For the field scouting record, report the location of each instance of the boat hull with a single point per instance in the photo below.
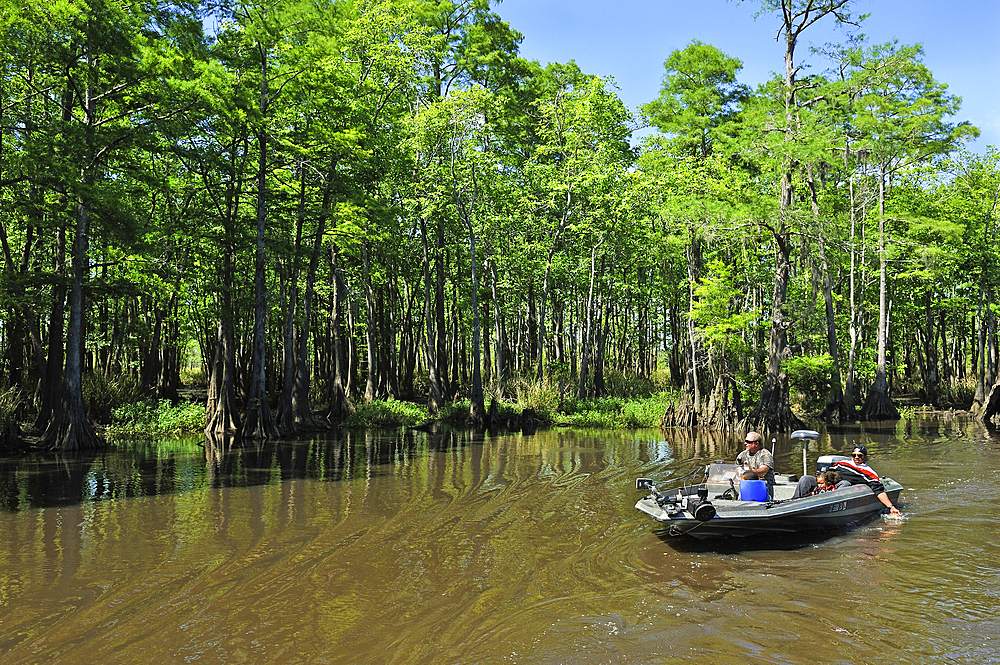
(827, 510)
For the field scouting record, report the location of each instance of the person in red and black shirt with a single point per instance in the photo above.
(857, 472)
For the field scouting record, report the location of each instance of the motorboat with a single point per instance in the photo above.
(722, 505)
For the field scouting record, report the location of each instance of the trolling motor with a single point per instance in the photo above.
(670, 503)
(644, 484)
(660, 498)
(699, 507)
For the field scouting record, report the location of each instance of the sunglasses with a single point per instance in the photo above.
(857, 455)
(748, 441)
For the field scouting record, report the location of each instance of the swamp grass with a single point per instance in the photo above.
(161, 418)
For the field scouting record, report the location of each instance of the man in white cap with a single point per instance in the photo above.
(758, 459)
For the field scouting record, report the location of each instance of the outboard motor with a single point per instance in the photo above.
(701, 508)
(826, 461)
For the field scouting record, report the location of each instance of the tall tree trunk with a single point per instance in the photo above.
(540, 369)
(500, 376)
(979, 399)
(991, 352)
(927, 355)
(441, 336)
(149, 361)
(51, 378)
(878, 405)
(28, 318)
(532, 339)
(301, 405)
(850, 398)
(341, 405)
(603, 334)
(258, 424)
(221, 412)
(68, 428)
(693, 383)
(222, 416)
(773, 411)
(407, 356)
(686, 411)
(456, 382)
(588, 328)
(835, 410)
(169, 381)
(477, 406)
(284, 417)
(371, 325)
(435, 399)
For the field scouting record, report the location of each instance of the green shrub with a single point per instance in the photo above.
(388, 413)
(628, 385)
(195, 377)
(616, 412)
(648, 411)
(544, 398)
(591, 419)
(455, 413)
(104, 393)
(14, 403)
(156, 417)
(810, 377)
(957, 393)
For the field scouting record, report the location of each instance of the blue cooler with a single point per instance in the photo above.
(753, 490)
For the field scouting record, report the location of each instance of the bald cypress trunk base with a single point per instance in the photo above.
(836, 410)
(878, 405)
(991, 409)
(682, 413)
(773, 411)
(221, 414)
(341, 405)
(10, 433)
(69, 429)
(725, 407)
(477, 415)
(258, 423)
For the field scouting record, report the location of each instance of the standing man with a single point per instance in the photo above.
(758, 459)
(857, 472)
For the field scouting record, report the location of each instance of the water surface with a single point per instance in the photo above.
(408, 547)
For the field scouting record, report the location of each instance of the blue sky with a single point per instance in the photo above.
(630, 39)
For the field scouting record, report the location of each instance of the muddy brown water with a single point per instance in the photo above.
(408, 547)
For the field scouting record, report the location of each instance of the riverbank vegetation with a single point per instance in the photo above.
(346, 212)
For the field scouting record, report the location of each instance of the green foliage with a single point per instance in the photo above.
(104, 393)
(699, 97)
(455, 413)
(13, 402)
(629, 384)
(717, 313)
(151, 418)
(958, 393)
(387, 413)
(196, 376)
(616, 412)
(544, 397)
(810, 376)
